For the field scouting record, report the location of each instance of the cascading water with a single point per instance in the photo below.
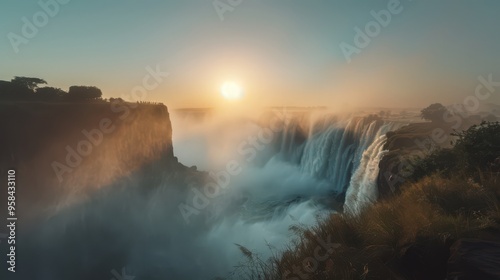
(285, 183)
(342, 152)
(345, 152)
(363, 189)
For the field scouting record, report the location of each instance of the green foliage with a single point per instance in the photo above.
(10, 90)
(434, 112)
(475, 148)
(27, 89)
(441, 161)
(84, 93)
(27, 82)
(478, 146)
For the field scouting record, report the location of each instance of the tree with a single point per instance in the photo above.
(434, 112)
(50, 93)
(30, 83)
(14, 91)
(84, 93)
(479, 146)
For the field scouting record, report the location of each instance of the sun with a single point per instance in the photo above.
(231, 90)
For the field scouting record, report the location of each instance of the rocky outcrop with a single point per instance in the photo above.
(410, 143)
(404, 146)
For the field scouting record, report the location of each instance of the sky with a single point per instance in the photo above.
(281, 52)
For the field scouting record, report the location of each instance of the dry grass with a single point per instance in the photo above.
(404, 237)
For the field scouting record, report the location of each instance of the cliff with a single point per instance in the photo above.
(410, 143)
(69, 149)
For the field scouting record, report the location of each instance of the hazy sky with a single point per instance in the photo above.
(283, 52)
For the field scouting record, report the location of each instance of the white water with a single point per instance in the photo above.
(290, 179)
(363, 189)
(312, 157)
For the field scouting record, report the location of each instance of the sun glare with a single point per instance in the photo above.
(231, 91)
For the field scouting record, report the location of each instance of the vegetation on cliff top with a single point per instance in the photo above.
(28, 89)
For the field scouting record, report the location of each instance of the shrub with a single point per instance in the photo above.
(441, 161)
(83, 93)
(479, 146)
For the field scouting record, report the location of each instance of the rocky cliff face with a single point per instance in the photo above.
(410, 143)
(76, 148)
(404, 145)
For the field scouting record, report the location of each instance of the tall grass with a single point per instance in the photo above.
(404, 237)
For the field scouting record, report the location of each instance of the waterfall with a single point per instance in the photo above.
(164, 214)
(363, 189)
(345, 152)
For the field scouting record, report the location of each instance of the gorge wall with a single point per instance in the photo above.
(74, 148)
